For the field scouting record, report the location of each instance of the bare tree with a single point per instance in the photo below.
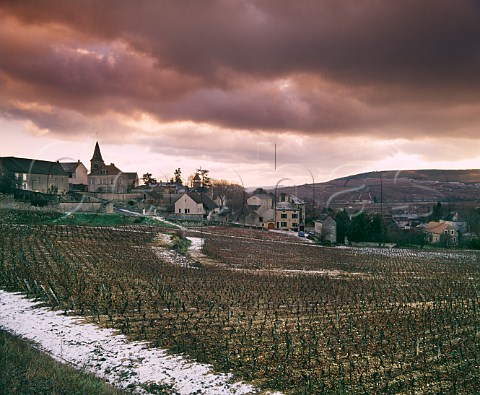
(229, 193)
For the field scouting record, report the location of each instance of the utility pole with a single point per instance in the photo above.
(275, 156)
(382, 237)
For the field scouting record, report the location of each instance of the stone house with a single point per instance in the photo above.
(35, 175)
(441, 232)
(457, 223)
(262, 217)
(133, 181)
(260, 211)
(326, 228)
(77, 174)
(289, 212)
(108, 178)
(262, 200)
(195, 205)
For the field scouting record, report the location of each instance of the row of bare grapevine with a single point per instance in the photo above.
(391, 322)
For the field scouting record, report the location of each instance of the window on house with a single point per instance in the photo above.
(451, 232)
(260, 219)
(294, 224)
(111, 181)
(180, 211)
(284, 224)
(294, 215)
(284, 215)
(454, 239)
(187, 211)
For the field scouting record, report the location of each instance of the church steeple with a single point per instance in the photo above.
(97, 161)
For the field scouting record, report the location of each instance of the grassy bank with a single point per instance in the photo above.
(25, 370)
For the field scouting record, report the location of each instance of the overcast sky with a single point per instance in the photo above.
(339, 86)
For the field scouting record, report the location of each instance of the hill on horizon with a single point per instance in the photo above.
(393, 186)
(465, 176)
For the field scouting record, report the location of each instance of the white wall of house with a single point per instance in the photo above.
(79, 176)
(186, 205)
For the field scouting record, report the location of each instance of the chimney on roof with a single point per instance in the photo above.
(112, 164)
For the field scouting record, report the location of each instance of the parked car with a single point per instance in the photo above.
(301, 234)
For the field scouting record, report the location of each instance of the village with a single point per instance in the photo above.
(72, 187)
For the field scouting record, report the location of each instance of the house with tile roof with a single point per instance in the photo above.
(441, 232)
(108, 178)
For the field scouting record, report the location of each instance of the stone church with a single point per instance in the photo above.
(108, 178)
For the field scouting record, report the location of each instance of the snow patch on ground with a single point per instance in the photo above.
(108, 354)
(174, 257)
(195, 248)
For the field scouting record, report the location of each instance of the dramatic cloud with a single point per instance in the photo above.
(223, 78)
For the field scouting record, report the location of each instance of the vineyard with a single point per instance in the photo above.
(281, 313)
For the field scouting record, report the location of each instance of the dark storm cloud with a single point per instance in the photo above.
(319, 67)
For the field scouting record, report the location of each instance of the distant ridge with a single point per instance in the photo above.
(393, 186)
(467, 176)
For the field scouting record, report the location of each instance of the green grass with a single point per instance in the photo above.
(180, 243)
(26, 370)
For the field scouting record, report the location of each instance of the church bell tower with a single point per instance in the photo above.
(96, 162)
